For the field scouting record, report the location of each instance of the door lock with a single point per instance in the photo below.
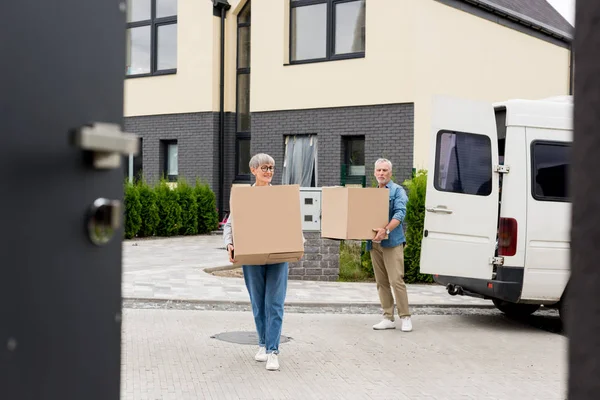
(107, 143)
(104, 220)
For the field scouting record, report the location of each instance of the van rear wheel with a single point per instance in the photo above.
(515, 309)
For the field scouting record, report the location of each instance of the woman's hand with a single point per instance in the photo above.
(230, 252)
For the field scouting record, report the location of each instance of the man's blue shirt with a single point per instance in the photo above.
(398, 200)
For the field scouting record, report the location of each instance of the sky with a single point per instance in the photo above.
(566, 8)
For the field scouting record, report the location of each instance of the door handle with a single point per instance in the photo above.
(107, 143)
(440, 209)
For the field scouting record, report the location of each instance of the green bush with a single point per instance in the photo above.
(350, 263)
(149, 211)
(133, 210)
(169, 210)
(365, 260)
(208, 216)
(189, 209)
(415, 219)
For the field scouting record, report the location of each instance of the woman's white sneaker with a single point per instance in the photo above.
(384, 324)
(261, 355)
(272, 362)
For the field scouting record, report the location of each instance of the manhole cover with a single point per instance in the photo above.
(250, 338)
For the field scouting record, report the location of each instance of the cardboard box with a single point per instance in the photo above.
(266, 224)
(353, 213)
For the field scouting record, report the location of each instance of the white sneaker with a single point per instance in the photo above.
(406, 324)
(384, 324)
(261, 355)
(272, 362)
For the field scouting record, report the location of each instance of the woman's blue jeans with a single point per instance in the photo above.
(267, 286)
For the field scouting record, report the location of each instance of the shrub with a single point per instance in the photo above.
(189, 209)
(169, 210)
(350, 263)
(365, 260)
(133, 210)
(415, 219)
(149, 212)
(208, 216)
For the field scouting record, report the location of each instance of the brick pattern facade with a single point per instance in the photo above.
(321, 261)
(197, 136)
(388, 131)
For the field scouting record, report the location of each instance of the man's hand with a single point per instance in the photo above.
(230, 252)
(380, 234)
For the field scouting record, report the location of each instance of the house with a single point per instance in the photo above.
(324, 86)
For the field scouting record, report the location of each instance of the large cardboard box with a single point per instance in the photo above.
(267, 225)
(353, 213)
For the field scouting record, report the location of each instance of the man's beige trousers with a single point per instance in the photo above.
(388, 265)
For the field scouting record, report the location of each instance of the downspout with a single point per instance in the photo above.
(571, 69)
(220, 9)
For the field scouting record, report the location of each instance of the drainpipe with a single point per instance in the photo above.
(571, 69)
(220, 9)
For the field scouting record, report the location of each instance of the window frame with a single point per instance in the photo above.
(165, 150)
(532, 169)
(154, 23)
(436, 169)
(329, 32)
(241, 135)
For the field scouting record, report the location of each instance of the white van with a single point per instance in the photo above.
(498, 213)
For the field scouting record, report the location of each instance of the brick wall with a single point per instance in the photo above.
(321, 261)
(197, 136)
(388, 131)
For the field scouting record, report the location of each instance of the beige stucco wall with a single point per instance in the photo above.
(415, 49)
(383, 76)
(459, 54)
(192, 88)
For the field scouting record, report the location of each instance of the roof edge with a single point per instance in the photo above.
(523, 19)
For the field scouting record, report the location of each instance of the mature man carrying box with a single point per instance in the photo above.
(387, 255)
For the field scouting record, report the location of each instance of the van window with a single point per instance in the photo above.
(463, 163)
(550, 166)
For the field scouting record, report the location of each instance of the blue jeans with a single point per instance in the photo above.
(267, 286)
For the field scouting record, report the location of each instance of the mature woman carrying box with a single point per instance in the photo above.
(266, 284)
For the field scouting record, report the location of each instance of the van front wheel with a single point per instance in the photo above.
(515, 309)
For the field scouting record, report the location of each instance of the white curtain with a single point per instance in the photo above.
(300, 160)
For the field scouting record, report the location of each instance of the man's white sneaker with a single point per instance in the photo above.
(384, 324)
(261, 355)
(406, 324)
(272, 362)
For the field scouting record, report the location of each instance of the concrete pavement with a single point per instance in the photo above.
(174, 269)
(170, 355)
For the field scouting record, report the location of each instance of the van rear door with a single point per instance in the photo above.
(461, 204)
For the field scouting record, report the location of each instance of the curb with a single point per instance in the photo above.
(168, 303)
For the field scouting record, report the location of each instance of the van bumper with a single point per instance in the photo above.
(507, 286)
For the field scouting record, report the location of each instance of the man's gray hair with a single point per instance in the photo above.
(261, 159)
(383, 160)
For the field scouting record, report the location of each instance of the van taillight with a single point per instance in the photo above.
(507, 237)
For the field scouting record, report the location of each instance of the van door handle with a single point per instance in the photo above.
(440, 209)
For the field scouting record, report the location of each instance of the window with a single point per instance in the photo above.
(463, 163)
(134, 167)
(242, 147)
(171, 160)
(327, 30)
(354, 155)
(550, 165)
(300, 161)
(151, 37)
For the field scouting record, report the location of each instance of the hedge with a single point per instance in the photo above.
(169, 209)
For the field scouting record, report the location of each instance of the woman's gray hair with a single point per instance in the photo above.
(383, 160)
(261, 159)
